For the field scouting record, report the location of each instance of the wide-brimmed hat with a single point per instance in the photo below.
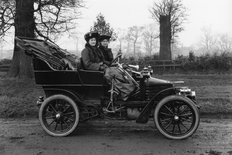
(104, 36)
(90, 35)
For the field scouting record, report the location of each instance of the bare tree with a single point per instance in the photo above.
(35, 18)
(133, 35)
(7, 13)
(170, 14)
(76, 37)
(208, 40)
(150, 34)
(128, 42)
(224, 43)
(121, 37)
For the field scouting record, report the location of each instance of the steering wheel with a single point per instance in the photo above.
(117, 58)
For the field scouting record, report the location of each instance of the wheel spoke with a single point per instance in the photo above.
(71, 120)
(165, 120)
(178, 109)
(53, 108)
(173, 106)
(173, 129)
(51, 123)
(183, 125)
(168, 125)
(179, 128)
(57, 105)
(186, 120)
(176, 118)
(184, 110)
(49, 117)
(61, 125)
(186, 115)
(166, 114)
(59, 115)
(56, 125)
(168, 109)
(70, 113)
(66, 123)
(66, 109)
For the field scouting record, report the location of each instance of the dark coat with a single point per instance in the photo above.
(108, 55)
(92, 58)
(123, 84)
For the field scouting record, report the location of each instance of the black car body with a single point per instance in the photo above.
(73, 95)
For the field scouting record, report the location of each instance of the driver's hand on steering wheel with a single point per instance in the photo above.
(103, 67)
(113, 64)
(124, 66)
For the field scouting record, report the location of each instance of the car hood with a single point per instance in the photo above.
(155, 81)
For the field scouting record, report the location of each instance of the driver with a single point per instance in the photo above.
(107, 52)
(92, 58)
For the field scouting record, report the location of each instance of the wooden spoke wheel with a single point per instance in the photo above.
(59, 115)
(176, 117)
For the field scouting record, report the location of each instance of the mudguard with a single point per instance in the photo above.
(69, 93)
(144, 116)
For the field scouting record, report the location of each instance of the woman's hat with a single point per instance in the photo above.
(90, 35)
(104, 36)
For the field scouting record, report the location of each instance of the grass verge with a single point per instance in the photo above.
(214, 94)
(18, 98)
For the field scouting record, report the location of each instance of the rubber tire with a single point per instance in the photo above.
(75, 107)
(186, 100)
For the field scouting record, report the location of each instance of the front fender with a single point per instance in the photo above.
(144, 116)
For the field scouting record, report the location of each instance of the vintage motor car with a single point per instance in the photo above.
(74, 95)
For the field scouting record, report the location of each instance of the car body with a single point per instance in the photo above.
(77, 95)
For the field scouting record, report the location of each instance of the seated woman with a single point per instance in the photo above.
(103, 46)
(92, 58)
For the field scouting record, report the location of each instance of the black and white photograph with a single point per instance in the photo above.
(115, 77)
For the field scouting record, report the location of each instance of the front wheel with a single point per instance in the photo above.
(176, 117)
(59, 115)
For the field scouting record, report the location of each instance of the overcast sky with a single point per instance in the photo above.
(214, 14)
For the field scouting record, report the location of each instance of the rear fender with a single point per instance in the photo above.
(144, 116)
(69, 93)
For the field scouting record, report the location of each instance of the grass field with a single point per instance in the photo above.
(214, 94)
(18, 98)
(214, 91)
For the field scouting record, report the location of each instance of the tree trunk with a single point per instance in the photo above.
(134, 48)
(24, 27)
(150, 50)
(165, 38)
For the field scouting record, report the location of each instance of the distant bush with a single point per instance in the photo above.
(206, 63)
(142, 61)
(5, 61)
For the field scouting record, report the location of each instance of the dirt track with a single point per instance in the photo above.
(213, 137)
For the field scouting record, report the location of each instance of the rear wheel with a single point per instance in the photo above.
(176, 117)
(59, 115)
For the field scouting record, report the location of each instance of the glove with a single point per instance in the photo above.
(103, 67)
(107, 63)
(114, 65)
(124, 66)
